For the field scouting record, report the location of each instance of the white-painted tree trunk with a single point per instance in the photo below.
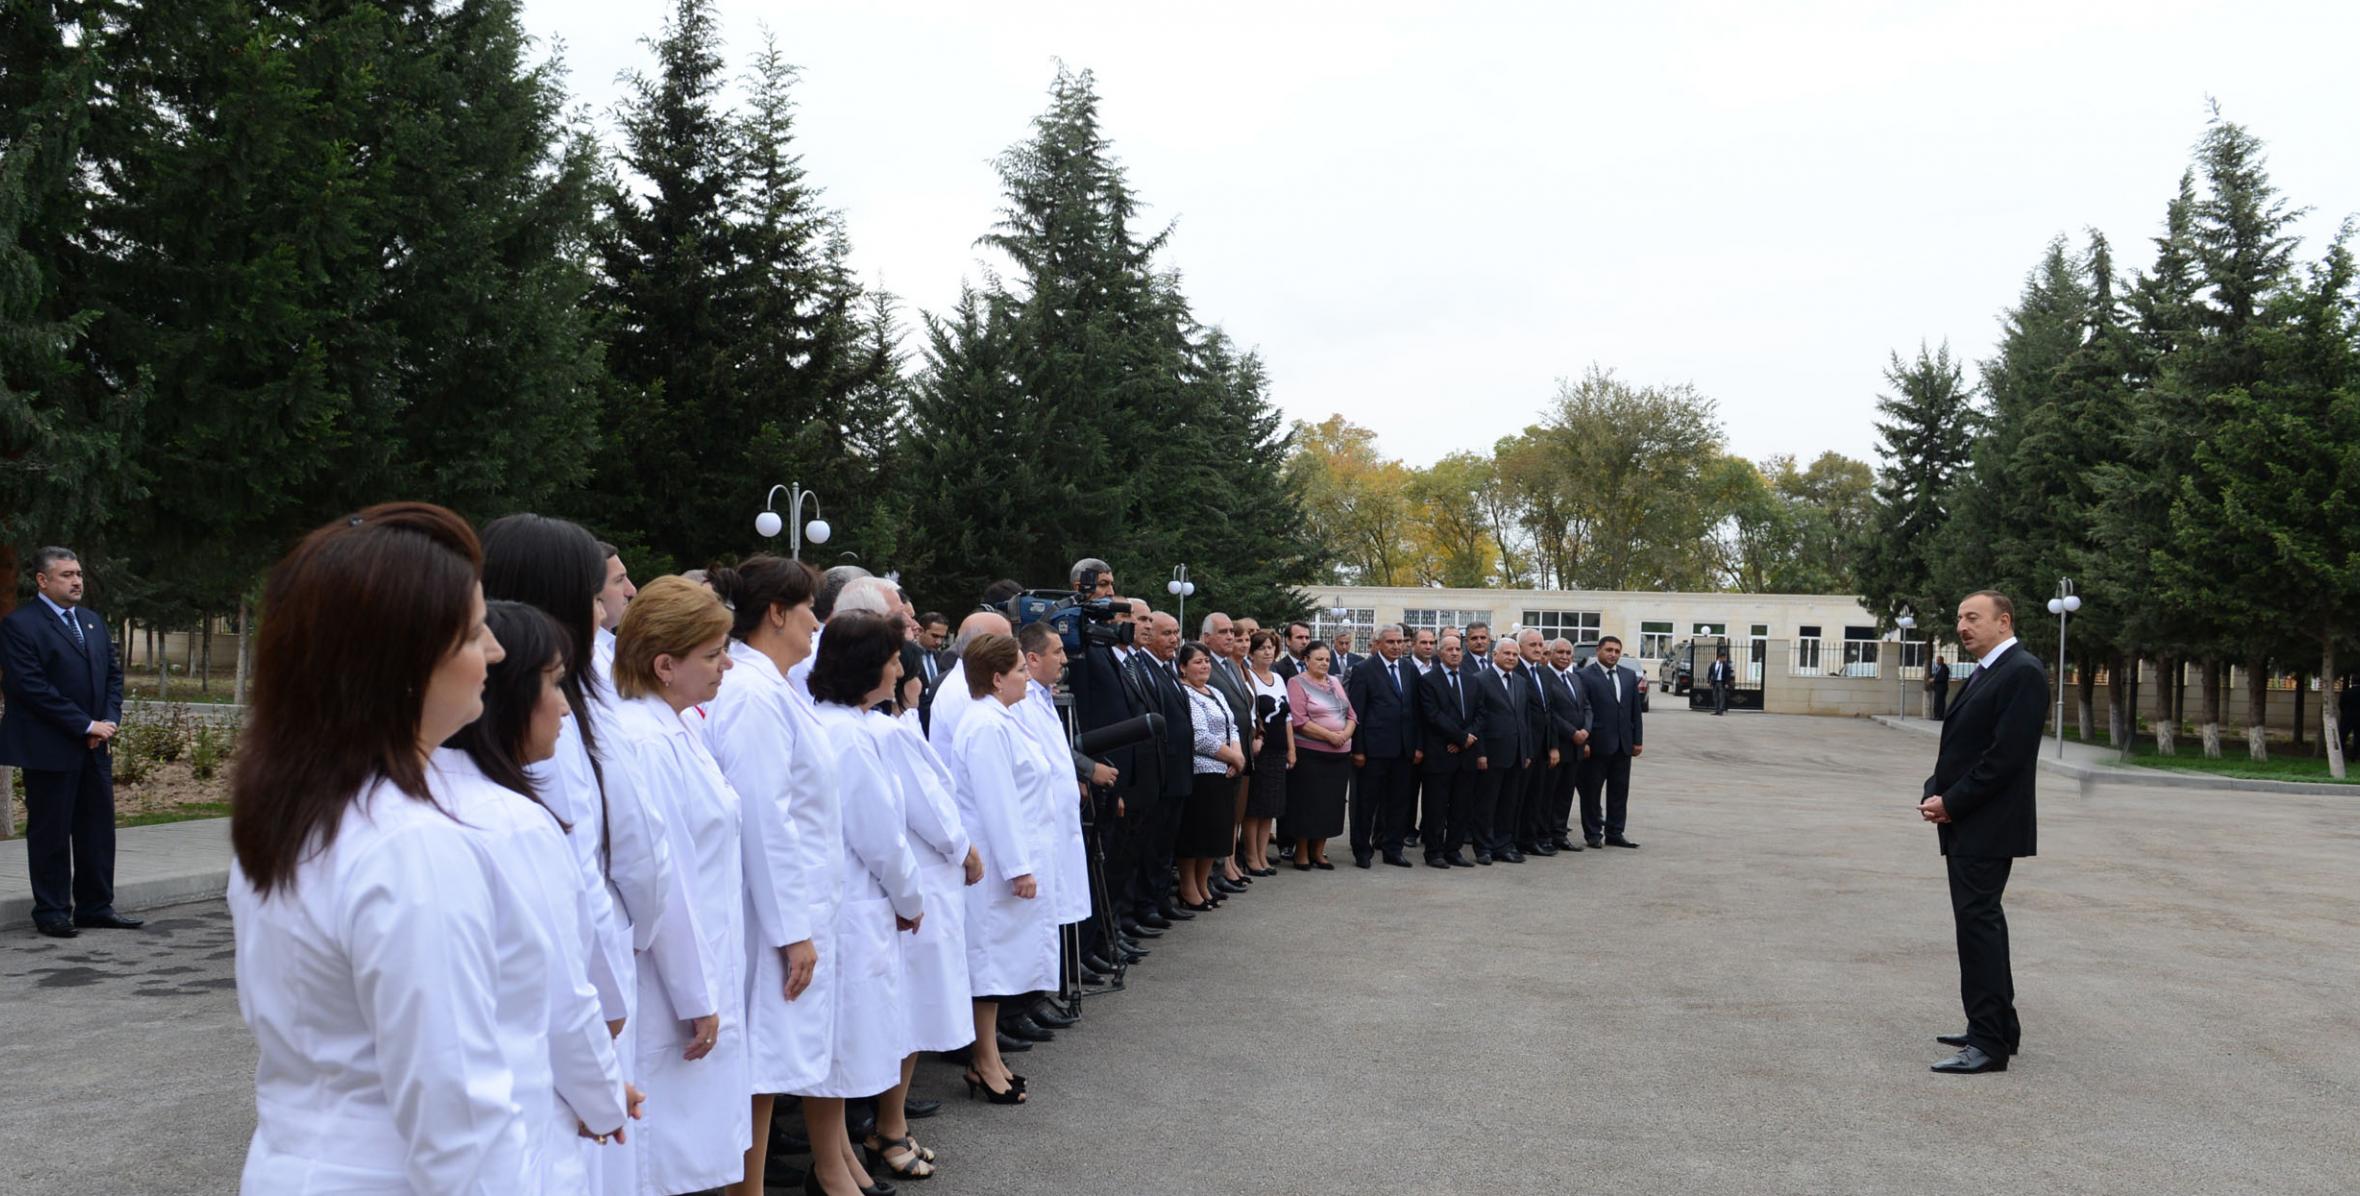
(2332, 733)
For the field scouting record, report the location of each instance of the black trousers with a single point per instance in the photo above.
(1483, 803)
(1381, 801)
(1516, 793)
(70, 838)
(1556, 821)
(1448, 798)
(1941, 701)
(1608, 777)
(1986, 984)
(1720, 697)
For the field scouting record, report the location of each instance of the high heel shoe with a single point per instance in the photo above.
(917, 1161)
(1197, 907)
(1323, 865)
(1302, 867)
(1011, 1095)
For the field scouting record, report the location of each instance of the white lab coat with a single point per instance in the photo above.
(951, 704)
(934, 960)
(699, 1119)
(374, 988)
(564, 1044)
(1002, 774)
(767, 744)
(1069, 860)
(880, 883)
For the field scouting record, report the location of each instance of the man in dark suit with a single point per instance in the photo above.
(1346, 659)
(1385, 749)
(1615, 741)
(64, 691)
(1501, 752)
(1521, 792)
(1159, 640)
(1719, 675)
(1980, 800)
(1298, 641)
(1938, 687)
(1569, 721)
(1447, 731)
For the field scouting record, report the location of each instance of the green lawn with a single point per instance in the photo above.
(2284, 764)
(193, 810)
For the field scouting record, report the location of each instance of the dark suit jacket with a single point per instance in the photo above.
(1614, 727)
(1106, 694)
(1719, 671)
(55, 688)
(1446, 718)
(1499, 717)
(1569, 711)
(1990, 751)
(1178, 746)
(1539, 723)
(1235, 690)
(1388, 727)
(1286, 666)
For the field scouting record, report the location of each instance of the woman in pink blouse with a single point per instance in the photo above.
(1324, 721)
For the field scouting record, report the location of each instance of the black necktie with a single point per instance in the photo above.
(1458, 695)
(81, 639)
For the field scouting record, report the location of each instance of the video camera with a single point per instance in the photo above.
(1079, 619)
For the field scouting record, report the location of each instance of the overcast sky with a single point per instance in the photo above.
(1423, 215)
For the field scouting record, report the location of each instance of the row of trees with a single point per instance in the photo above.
(2182, 441)
(1620, 487)
(262, 264)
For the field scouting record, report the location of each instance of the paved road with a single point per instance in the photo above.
(1744, 1005)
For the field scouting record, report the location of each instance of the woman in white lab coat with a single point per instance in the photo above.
(375, 940)
(1061, 801)
(670, 655)
(763, 736)
(562, 1044)
(1011, 930)
(617, 839)
(858, 660)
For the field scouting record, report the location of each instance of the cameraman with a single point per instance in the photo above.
(1104, 694)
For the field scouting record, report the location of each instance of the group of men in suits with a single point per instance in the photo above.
(64, 703)
(1466, 747)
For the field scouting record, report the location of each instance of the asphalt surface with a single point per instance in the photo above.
(1744, 1005)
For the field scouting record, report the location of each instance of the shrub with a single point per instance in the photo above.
(211, 746)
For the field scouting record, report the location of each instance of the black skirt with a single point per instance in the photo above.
(1206, 829)
(1268, 796)
(1315, 796)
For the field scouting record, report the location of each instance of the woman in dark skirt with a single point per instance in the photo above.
(1266, 798)
(1324, 720)
(1205, 826)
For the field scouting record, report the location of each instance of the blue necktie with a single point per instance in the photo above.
(80, 638)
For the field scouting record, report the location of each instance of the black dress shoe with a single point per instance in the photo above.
(1008, 1044)
(1970, 1061)
(110, 920)
(1619, 841)
(1141, 930)
(1049, 1016)
(1483, 858)
(1031, 1031)
(1132, 957)
(1510, 856)
(1410, 839)
(57, 930)
(1541, 849)
(1089, 979)
(1093, 963)
(1458, 860)
(1227, 886)
(1302, 867)
(1595, 842)
(1176, 914)
(1566, 845)
(1396, 859)
(1323, 865)
(920, 1110)
(1960, 1040)
(1435, 861)
(1154, 919)
(1360, 861)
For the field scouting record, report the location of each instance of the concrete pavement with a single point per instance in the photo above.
(1744, 1005)
(164, 864)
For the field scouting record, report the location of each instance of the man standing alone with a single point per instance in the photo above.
(1719, 676)
(64, 691)
(1980, 801)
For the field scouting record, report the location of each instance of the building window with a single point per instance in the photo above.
(1440, 619)
(1655, 639)
(1807, 649)
(1361, 621)
(1580, 626)
(1720, 630)
(1860, 651)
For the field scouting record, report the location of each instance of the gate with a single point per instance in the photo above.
(1748, 666)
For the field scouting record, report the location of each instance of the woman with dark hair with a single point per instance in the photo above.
(559, 569)
(481, 775)
(1012, 945)
(859, 660)
(380, 953)
(1205, 831)
(670, 655)
(1266, 798)
(1324, 721)
(764, 737)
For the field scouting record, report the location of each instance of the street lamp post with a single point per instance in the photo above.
(769, 524)
(1904, 621)
(2063, 605)
(1180, 587)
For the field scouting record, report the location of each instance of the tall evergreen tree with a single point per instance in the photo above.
(1925, 438)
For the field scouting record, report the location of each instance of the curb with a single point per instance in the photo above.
(140, 894)
(2091, 775)
(188, 863)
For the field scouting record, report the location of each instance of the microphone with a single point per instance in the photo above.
(1119, 735)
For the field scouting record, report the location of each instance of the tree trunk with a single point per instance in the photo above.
(2210, 730)
(2122, 698)
(163, 664)
(243, 620)
(205, 667)
(2085, 682)
(2301, 683)
(189, 668)
(2329, 733)
(2180, 692)
(2167, 727)
(2127, 706)
(2257, 711)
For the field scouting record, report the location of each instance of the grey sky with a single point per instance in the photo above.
(1423, 215)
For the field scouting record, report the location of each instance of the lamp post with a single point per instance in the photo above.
(768, 522)
(2063, 605)
(1904, 621)
(1180, 587)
